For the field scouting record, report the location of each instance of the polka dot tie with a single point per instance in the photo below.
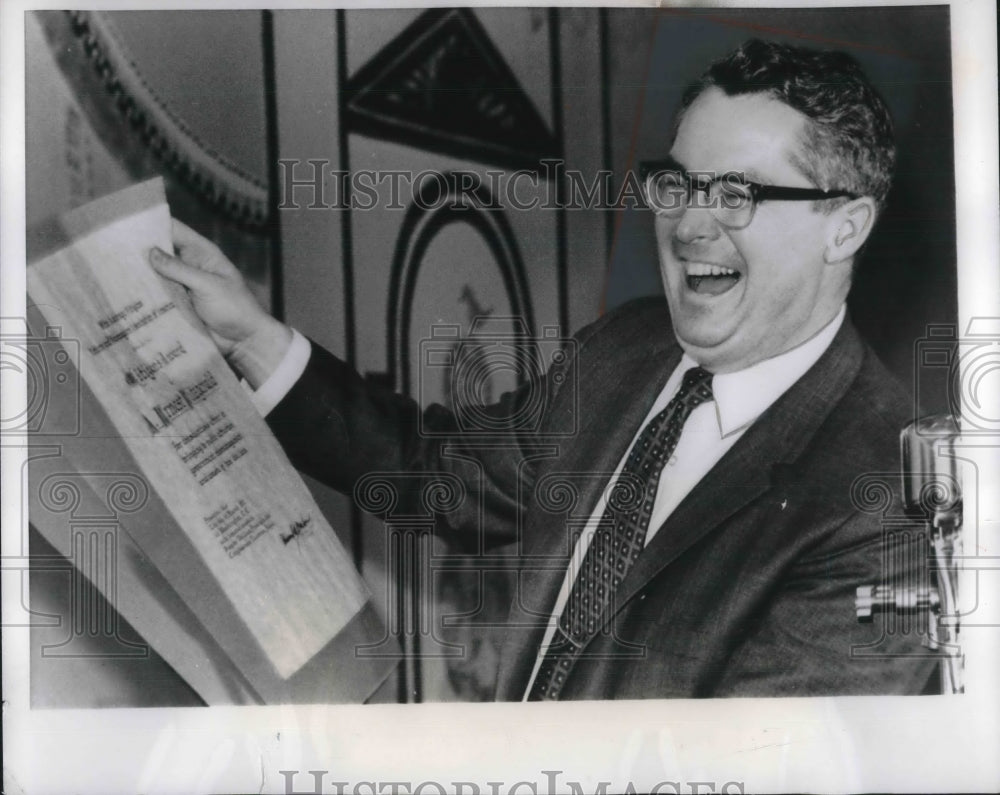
(619, 538)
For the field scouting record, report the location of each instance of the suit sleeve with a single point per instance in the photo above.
(337, 427)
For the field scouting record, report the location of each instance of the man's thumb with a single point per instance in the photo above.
(177, 270)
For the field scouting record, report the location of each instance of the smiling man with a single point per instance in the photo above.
(792, 161)
(723, 433)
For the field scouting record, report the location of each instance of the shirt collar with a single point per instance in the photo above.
(742, 396)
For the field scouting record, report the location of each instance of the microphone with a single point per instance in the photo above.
(931, 490)
(929, 469)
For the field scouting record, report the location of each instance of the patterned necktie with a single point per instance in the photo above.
(619, 538)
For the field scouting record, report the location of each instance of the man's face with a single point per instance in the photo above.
(777, 290)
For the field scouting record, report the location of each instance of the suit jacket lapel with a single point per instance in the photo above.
(745, 471)
(613, 404)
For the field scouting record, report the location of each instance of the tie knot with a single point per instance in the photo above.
(696, 387)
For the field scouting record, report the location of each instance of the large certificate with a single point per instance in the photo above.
(238, 507)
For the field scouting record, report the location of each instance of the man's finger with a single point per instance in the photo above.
(191, 277)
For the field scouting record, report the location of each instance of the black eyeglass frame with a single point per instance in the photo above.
(758, 191)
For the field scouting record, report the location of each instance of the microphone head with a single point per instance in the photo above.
(929, 468)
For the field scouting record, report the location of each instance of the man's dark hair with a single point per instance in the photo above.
(849, 144)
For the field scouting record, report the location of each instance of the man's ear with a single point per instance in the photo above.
(849, 228)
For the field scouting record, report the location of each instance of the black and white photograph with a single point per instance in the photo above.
(500, 399)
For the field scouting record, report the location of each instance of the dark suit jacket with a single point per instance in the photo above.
(748, 587)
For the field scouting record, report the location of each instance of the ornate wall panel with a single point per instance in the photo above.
(433, 264)
(96, 95)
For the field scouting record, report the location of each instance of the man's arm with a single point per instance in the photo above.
(333, 424)
(339, 428)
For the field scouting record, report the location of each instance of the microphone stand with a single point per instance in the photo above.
(930, 485)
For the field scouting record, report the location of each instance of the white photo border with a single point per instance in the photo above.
(754, 745)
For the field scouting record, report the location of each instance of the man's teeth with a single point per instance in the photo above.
(703, 269)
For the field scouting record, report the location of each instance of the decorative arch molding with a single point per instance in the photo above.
(207, 173)
(439, 203)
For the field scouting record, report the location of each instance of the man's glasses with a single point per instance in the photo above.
(731, 199)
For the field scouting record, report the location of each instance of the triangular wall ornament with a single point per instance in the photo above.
(442, 85)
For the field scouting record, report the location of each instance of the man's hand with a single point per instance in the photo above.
(252, 341)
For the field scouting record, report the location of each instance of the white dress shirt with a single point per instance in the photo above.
(711, 429)
(289, 370)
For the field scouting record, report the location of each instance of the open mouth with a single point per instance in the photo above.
(710, 279)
